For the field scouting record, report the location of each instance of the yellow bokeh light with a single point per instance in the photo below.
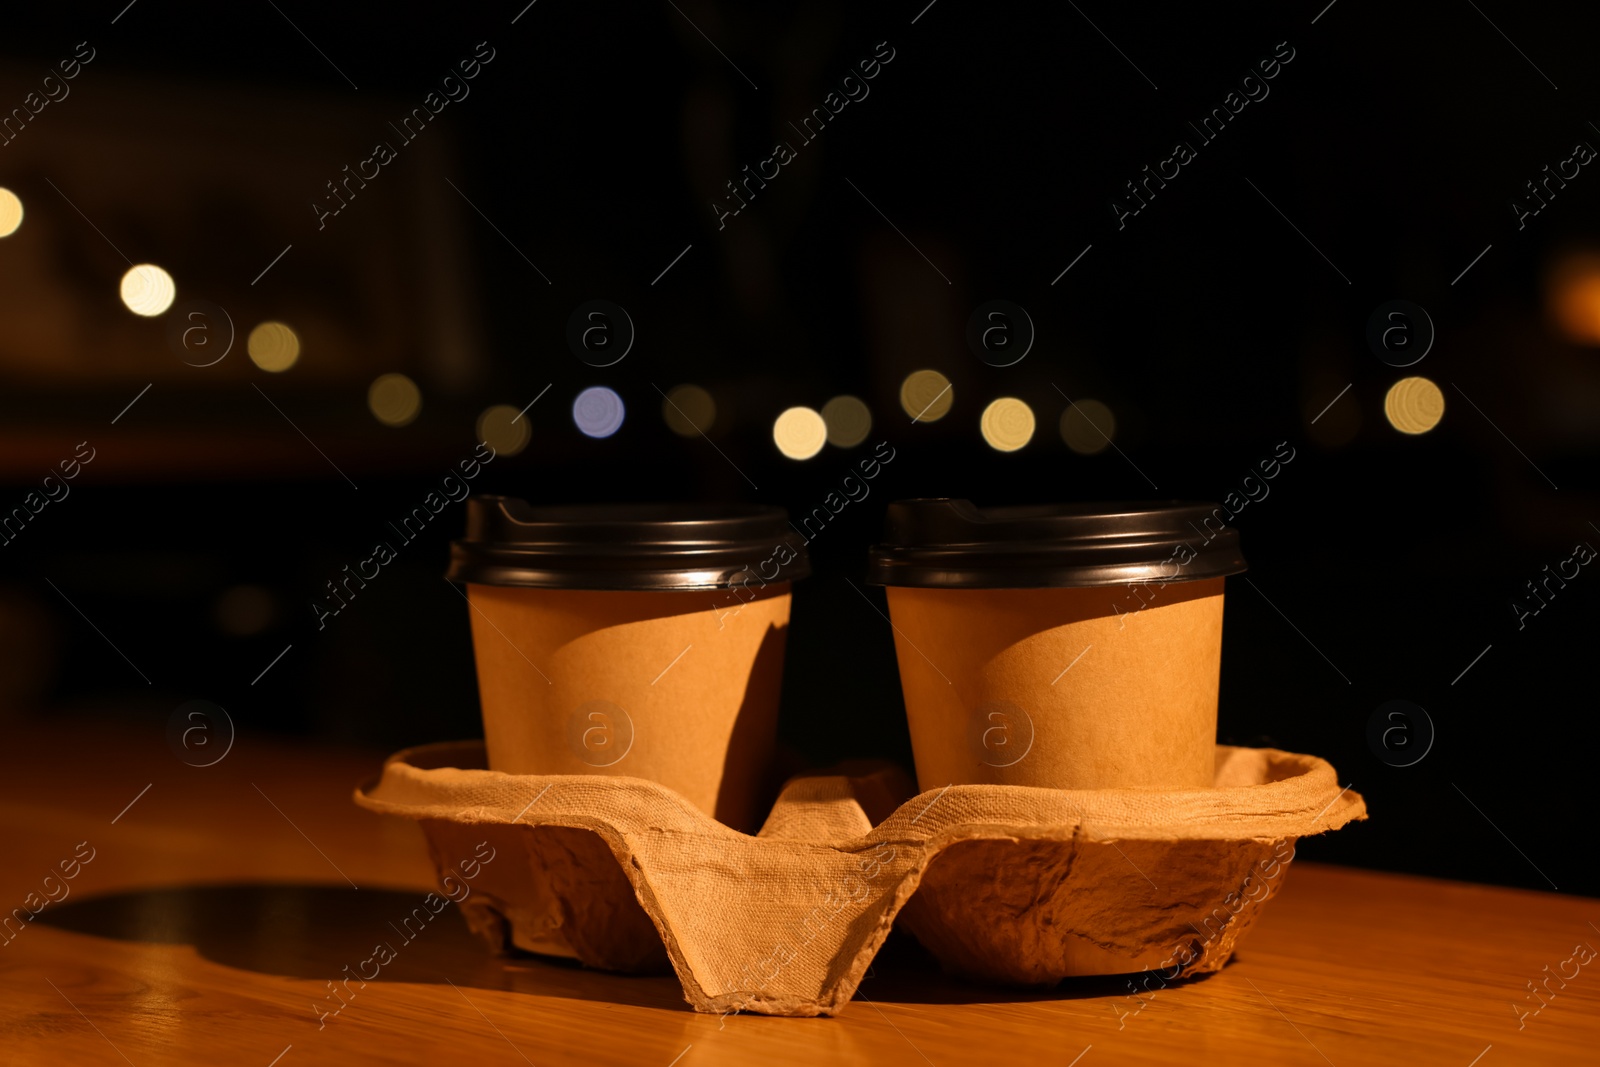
(1573, 292)
(1414, 405)
(394, 400)
(689, 410)
(848, 420)
(926, 395)
(1007, 424)
(501, 429)
(148, 290)
(799, 433)
(273, 347)
(1087, 427)
(10, 212)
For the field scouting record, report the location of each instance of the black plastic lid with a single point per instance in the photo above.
(951, 544)
(625, 546)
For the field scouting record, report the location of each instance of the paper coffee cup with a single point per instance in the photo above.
(637, 640)
(1069, 647)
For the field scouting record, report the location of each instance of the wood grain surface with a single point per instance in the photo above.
(222, 912)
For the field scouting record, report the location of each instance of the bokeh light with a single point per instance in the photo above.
(926, 395)
(1573, 293)
(1088, 426)
(273, 347)
(1414, 405)
(799, 433)
(848, 419)
(1007, 424)
(10, 212)
(501, 429)
(598, 411)
(148, 290)
(689, 410)
(394, 400)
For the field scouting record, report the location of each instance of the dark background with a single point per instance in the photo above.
(995, 140)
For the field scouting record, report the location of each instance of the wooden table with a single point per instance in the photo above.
(222, 900)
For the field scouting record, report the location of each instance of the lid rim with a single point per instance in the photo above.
(648, 546)
(951, 544)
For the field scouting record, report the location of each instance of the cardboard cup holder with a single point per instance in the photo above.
(1007, 884)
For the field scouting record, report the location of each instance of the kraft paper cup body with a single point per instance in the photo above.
(1071, 646)
(642, 640)
(1055, 688)
(677, 687)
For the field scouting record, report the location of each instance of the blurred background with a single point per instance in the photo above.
(238, 339)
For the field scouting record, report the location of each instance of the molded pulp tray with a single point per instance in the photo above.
(1005, 884)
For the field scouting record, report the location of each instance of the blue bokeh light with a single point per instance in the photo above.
(598, 411)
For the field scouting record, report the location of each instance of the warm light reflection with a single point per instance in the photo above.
(848, 420)
(1007, 424)
(1087, 427)
(598, 411)
(689, 410)
(1414, 405)
(394, 400)
(1573, 292)
(926, 395)
(799, 433)
(273, 347)
(10, 212)
(500, 428)
(148, 290)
